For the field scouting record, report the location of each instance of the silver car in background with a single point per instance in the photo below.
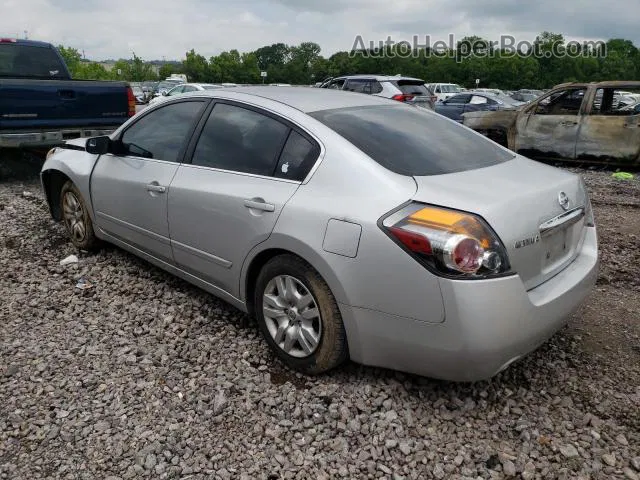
(345, 230)
(403, 89)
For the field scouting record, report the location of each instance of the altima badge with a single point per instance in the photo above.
(525, 242)
(563, 200)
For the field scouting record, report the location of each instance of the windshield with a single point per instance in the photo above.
(27, 61)
(450, 89)
(166, 85)
(412, 141)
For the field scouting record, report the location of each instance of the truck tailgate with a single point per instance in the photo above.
(33, 104)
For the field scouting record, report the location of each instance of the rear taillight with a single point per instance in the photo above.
(131, 99)
(403, 97)
(7, 40)
(448, 242)
(434, 99)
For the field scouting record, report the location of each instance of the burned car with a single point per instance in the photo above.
(586, 122)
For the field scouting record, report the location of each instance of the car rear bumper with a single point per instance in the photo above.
(489, 323)
(50, 138)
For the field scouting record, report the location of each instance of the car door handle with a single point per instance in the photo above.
(156, 188)
(258, 205)
(568, 124)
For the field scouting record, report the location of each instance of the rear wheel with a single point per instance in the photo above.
(298, 316)
(76, 217)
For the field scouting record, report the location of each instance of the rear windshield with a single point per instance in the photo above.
(412, 141)
(412, 87)
(24, 61)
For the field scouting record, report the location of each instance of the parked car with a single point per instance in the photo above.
(163, 87)
(41, 105)
(442, 91)
(340, 225)
(138, 92)
(574, 121)
(474, 101)
(184, 88)
(404, 89)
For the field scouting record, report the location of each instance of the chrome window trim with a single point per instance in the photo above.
(244, 174)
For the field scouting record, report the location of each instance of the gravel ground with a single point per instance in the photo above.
(145, 376)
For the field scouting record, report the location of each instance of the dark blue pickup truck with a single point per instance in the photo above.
(40, 105)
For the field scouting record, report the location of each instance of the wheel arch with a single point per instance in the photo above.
(52, 182)
(281, 244)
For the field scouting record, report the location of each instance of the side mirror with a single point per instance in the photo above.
(98, 145)
(165, 93)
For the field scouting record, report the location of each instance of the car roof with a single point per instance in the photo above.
(616, 83)
(30, 43)
(305, 99)
(379, 78)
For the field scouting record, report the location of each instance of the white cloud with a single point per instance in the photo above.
(162, 28)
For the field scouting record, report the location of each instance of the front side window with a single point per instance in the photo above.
(241, 140)
(162, 134)
(563, 102)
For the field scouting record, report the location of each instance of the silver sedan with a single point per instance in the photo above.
(349, 226)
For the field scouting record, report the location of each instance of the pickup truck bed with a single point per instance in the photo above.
(40, 105)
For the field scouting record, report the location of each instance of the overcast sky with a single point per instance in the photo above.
(169, 28)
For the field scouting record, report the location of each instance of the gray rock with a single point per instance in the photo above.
(609, 459)
(630, 474)
(150, 461)
(569, 451)
(404, 448)
(389, 444)
(622, 440)
(635, 463)
(509, 468)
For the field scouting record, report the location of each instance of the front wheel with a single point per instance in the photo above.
(76, 217)
(298, 316)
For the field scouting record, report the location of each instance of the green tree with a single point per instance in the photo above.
(71, 57)
(195, 67)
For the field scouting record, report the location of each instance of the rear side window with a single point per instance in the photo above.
(359, 85)
(412, 87)
(240, 140)
(459, 99)
(413, 141)
(298, 157)
(27, 61)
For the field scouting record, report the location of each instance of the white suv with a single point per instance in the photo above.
(403, 89)
(444, 90)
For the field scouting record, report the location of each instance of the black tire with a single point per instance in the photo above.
(332, 349)
(83, 238)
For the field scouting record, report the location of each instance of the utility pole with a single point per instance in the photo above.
(26, 35)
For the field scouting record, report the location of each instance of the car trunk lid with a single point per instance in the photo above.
(521, 201)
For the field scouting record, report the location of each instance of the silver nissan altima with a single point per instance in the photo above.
(350, 226)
